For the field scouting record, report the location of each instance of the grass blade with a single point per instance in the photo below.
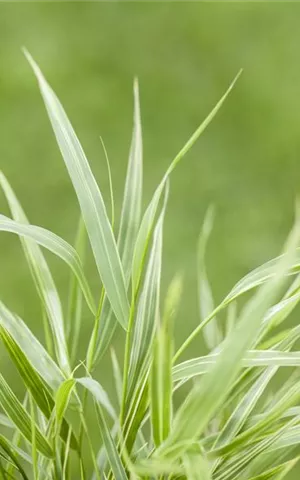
(149, 216)
(211, 331)
(54, 244)
(161, 371)
(130, 220)
(18, 415)
(90, 199)
(42, 278)
(206, 397)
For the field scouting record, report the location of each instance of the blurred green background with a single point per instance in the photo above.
(185, 55)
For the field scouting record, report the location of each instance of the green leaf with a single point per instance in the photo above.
(18, 415)
(42, 278)
(147, 314)
(206, 397)
(75, 295)
(62, 398)
(31, 347)
(211, 331)
(130, 221)
(12, 453)
(56, 245)
(161, 369)
(149, 216)
(252, 358)
(90, 199)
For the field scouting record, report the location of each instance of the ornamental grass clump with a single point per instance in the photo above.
(229, 425)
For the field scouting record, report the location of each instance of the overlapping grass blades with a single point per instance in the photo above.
(229, 426)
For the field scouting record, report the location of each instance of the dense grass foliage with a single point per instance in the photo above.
(230, 424)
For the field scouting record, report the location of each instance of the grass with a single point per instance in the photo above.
(230, 425)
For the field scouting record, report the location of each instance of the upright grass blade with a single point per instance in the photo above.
(130, 220)
(147, 316)
(34, 452)
(75, 295)
(205, 398)
(90, 199)
(211, 332)
(56, 245)
(101, 400)
(161, 370)
(149, 216)
(19, 416)
(42, 278)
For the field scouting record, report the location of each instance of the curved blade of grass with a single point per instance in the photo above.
(31, 347)
(130, 221)
(90, 199)
(211, 332)
(275, 314)
(34, 383)
(42, 278)
(253, 358)
(278, 472)
(161, 370)
(101, 399)
(56, 245)
(8, 449)
(19, 416)
(149, 216)
(205, 398)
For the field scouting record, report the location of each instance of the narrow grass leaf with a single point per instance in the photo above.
(211, 332)
(31, 347)
(19, 416)
(161, 370)
(42, 278)
(130, 220)
(54, 244)
(90, 199)
(148, 307)
(206, 398)
(149, 216)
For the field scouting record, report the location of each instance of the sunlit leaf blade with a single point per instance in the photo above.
(62, 398)
(253, 358)
(211, 331)
(56, 245)
(13, 455)
(90, 199)
(161, 370)
(149, 216)
(110, 447)
(42, 278)
(147, 315)
(34, 453)
(31, 347)
(34, 383)
(130, 220)
(19, 416)
(117, 375)
(75, 295)
(101, 400)
(208, 395)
